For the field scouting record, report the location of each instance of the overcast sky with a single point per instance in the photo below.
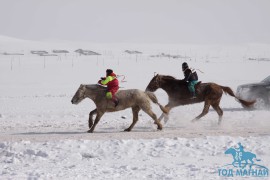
(138, 21)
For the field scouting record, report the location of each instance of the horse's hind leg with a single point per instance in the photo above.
(219, 111)
(90, 121)
(204, 112)
(135, 111)
(153, 116)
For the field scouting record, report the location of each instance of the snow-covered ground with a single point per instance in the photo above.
(43, 136)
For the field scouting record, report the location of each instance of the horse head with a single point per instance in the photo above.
(79, 95)
(230, 151)
(154, 84)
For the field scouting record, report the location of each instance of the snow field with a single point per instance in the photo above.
(174, 158)
(43, 136)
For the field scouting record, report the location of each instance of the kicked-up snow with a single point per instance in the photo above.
(43, 136)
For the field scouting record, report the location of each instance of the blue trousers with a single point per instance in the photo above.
(191, 85)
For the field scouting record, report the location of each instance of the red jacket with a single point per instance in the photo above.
(112, 83)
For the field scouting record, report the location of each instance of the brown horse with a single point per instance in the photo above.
(131, 98)
(177, 90)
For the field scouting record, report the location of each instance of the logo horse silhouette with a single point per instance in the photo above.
(240, 155)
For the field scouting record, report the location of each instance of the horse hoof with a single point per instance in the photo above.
(90, 131)
(127, 130)
(90, 124)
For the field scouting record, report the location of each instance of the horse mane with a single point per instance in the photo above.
(167, 77)
(171, 78)
(95, 86)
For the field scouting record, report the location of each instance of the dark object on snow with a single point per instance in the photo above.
(39, 52)
(256, 91)
(60, 51)
(86, 52)
(5, 53)
(133, 52)
(48, 54)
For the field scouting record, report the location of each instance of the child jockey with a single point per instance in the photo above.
(190, 77)
(112, 85)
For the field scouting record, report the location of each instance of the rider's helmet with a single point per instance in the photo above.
(184, 66)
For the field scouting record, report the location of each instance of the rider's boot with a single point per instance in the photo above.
(115, 101)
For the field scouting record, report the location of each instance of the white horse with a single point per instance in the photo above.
(132, 98)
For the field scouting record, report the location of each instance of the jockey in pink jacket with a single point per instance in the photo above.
(112, 85)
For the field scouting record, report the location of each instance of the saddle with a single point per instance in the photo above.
(198, 83)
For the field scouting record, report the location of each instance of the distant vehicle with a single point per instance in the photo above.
(256, 91)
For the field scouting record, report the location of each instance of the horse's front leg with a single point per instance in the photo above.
(233, 163)
(166, 119)
(90, 121)
(161, 117)
(168, 108)
(239, 163)
(135, 111)
(245, 163)
(99, 115)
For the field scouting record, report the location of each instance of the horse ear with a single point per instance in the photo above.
(82, 86)
(155, 74)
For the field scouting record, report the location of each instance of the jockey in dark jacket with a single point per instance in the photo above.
(190, 77)
(112, 85)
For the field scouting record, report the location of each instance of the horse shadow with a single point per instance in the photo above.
(139, 129)
(234, 109)
(50, 133)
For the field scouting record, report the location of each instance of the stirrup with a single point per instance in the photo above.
(193, 97)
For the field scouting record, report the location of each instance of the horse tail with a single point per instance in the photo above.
(229, 91)
(154, 99)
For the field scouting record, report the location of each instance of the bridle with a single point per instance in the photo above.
(156, 82)
(83, 94)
